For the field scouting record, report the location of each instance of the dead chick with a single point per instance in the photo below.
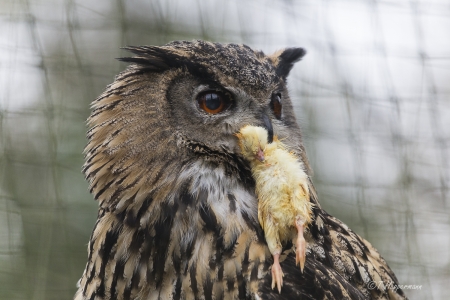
(284, 209)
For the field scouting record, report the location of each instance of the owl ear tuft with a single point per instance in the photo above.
(286, 59)
(160, 59)
(152, 58)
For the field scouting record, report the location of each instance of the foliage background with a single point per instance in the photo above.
(372, 96)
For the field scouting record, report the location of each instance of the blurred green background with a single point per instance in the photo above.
(372, 96)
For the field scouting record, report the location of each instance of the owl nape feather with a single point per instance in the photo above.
(178, 213)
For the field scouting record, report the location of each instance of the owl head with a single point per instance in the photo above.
(183, 103)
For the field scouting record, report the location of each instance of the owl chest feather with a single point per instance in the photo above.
(218, 225)
(203, 239)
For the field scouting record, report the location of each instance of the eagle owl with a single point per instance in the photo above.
(177, 215)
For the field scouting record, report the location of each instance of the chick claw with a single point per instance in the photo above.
(277, 273)
(300, 253)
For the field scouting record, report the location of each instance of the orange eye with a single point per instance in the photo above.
(275, 105)
(213, 102)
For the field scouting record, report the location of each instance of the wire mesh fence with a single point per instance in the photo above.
(372, 97)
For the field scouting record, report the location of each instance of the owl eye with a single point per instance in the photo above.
(213, 102)
(275, 105)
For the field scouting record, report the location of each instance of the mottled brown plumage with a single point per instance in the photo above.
(177, 207)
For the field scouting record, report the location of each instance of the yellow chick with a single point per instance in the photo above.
(284, 209)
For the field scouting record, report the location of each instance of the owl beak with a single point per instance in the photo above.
(268, 125)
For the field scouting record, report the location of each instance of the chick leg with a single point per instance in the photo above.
(277, 273)
(300, 244)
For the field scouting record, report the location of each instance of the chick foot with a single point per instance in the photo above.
(277, 273)
(300, 244)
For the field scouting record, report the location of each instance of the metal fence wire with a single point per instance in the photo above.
(372, 96)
